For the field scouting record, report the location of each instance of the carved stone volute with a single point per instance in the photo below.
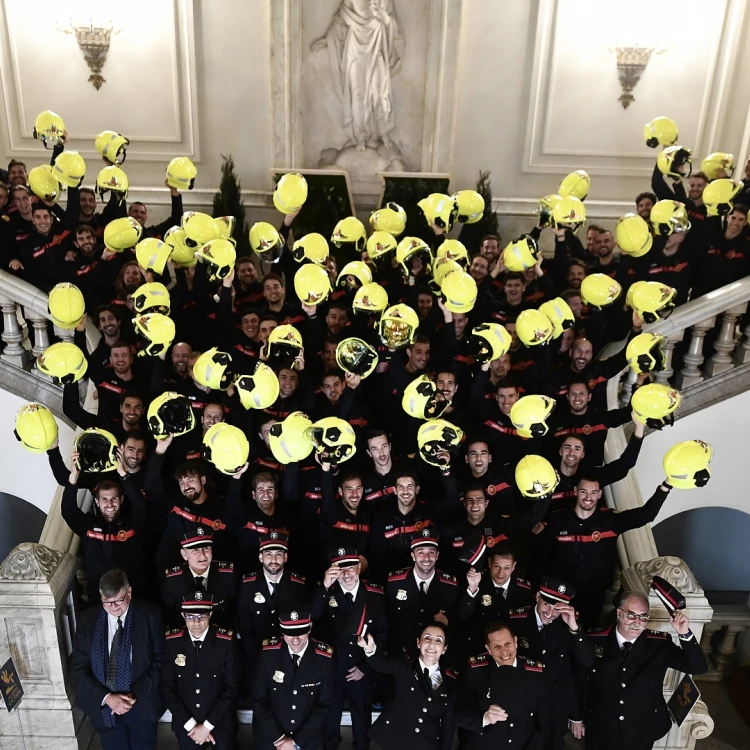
(30, 562)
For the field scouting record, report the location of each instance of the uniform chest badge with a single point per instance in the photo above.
(491, 490)
(332, 602)
(523, 643)
(260, 598)
(180, 660)
(486, 600)
(595, 536)
(278, 676)
(598, 651)
(401, 595)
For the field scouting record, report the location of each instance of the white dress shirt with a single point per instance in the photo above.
(436, 678)
(426, 581)
(353, 591)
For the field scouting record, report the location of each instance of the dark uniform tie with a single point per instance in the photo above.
(200, 582)
(543, 634)
(114, 653)
(197, 645)
(295, 660)
(427, 675)
(626, 649)
(349, 599)
(272, 588)
(423, 588)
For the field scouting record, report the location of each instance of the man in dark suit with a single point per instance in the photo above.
(293, 687)
(201, 677)
(117, 656)
(351, 606)
(418, 595)
(625, 708)
(549, 632)
(490, 595)
(199, 570)
(501, 696)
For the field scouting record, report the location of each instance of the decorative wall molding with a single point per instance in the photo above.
(17, 121)
(541, 157)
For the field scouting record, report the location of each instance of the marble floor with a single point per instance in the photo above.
(730, 732)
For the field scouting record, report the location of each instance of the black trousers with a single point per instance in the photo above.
(224, 740)
(598, 740)
(358, 694)
(130, 732)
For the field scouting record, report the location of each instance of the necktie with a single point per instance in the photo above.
(427, 676)
(543, 633)
(349, 599)
(423, 588)
(505, 593)
(197, 645)
(114, 653)
(626, 649)
(295, 660)
(271, 588)
(200, 582)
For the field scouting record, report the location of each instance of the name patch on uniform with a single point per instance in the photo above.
(278, 676)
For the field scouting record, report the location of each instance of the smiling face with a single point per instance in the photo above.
(502, 646)
(42, 221)
(121, 359)
(506, 397)
(572, 452)
(406, 492)
(138, 212)
(425, 559)
(250, 324)
(265, 431)
(180, 358)
(419, 355)
(212, 413)
(246, 273)
(578, 398)
(643, 208)
(581, 354)
(575, 276)
(85, 241)
(336, 320)
(296, 642)
(133, 452)
(588, 495)
(131, 410)
(475, 503)
(350, 576)
(431, 645)
(273, 291)
(514, 291)
(351, 493)
(547, 611)
(632, 617)
(479, 268)
(288, 382)
(108, 324)
(490, 249)
(333, 388)
(500, 367)
(109, 503)
(736, 222)
(264, 495)
(446, 384)
(696, 186)
(265, 328)
(501, 569)
(191, 486)
(88, 204)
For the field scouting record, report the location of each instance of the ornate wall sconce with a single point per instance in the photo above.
(94, 43)
(631, 63)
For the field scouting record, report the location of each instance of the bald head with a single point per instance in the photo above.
(633, 598)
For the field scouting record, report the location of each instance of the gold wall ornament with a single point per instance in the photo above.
(631, 63)
(94, 43)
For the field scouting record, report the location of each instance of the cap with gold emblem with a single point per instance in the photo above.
(555, 591)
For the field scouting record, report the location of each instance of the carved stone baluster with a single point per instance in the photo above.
(742, 351)
(706, 647)
(64, 334)
(12, 333)
(727, 648)
(664, 376)
(628, 383)
(691, 374)
(721, 359)
(41, 336)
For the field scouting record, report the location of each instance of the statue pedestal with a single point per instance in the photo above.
(38, 618)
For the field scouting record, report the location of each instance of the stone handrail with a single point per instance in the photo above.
(732, 620)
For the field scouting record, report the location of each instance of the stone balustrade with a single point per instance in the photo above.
(731, 621)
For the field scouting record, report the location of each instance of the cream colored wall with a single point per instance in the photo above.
(530, 89)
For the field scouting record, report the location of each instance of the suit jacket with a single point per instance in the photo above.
(147, 650)
(257, 610)
(417, 714)
(295, 705)
(624, 695)
(519, 690)
(489, 605)
(221, 583)
(409, 611)
(566, 657)
(214, 671)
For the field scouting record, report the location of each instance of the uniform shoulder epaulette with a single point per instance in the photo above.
(323, 648)
(519, 611)
(297, 578)
(447, 578)
(523, 583)
(249, 577)
(601, 631)
(174, 633)
(272, 643)
(399, 575)
(373, 587)
(224, 567)
(171, 572)
(450, 673)
(225, 633)
(657, 634)
(532, 666)
(478, 661)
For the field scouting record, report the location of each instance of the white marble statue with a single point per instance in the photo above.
(365, 45)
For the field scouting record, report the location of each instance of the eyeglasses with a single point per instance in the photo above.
(114, 602)
(635, 616)
(196, 618)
